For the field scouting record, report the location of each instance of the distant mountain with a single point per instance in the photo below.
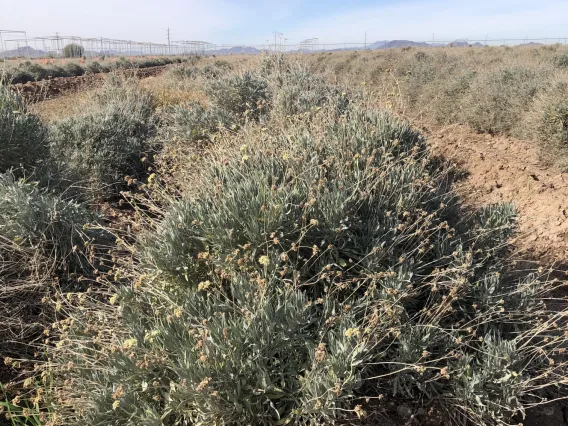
(236, 50)
(393, 44)
(24, 51)
(378, 45)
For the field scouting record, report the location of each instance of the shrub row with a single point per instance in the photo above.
(44, 237)
(104, 147)
(23, 138)
(516, 92)
(28, 71)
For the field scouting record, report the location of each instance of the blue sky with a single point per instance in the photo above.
(253, 21)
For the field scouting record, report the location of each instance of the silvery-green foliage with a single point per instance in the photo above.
(22, 135)
(101, 147)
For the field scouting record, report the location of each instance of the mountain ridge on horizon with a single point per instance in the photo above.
(251, 50)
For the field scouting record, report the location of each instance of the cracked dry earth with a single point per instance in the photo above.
(502, 169)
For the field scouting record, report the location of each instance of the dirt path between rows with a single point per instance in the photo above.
(39, 91)
(504, 169)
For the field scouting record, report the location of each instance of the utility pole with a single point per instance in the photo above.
(27, 47)
(365, 40)
(169, 44)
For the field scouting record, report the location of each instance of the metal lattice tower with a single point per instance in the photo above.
(309, 45)
(193, 47)
(3, 48)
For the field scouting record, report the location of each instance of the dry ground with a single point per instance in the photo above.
(51, 110)
(505, 169)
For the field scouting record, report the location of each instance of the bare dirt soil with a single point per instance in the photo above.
(502, 169)
(51, 110)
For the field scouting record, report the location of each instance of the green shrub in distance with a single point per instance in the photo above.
(192, 122)
(37, 71)
(73, 50)
(455, 90)
(183, 71)
(553, 128)
(56, 71)
(497, 100)
(220, 63)
(25, 72)
(73, 70)
(22, 135)
(213, 71)
(28, 71)
(94, 68)
(105, 144)
(243, 95)
(273, 64)
(18, 76)
(122, 64)
(299, 91)
(561, 60)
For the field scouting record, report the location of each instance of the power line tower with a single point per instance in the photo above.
(277, 40)
(309, 45)
(3, 47)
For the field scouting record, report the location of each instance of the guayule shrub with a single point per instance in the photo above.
(104, 145)
(497, 100)
(192, 122)
(46, 222)
(42, 236)
(242, 95)
(22, 135)
(299, 91)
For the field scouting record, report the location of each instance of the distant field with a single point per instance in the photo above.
(520, 91)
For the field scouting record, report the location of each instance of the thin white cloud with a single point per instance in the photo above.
(448, 20)
(123, 19)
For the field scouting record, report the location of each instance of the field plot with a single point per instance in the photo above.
(19, 71)
(336, 238)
